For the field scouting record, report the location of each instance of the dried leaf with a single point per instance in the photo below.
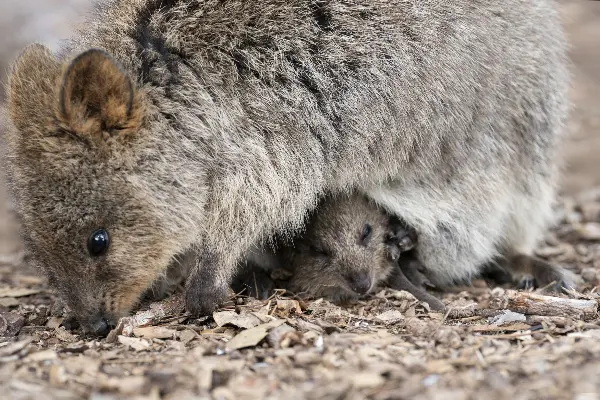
(187, 335)
(308, 326)
(242, 320)
(253, 336)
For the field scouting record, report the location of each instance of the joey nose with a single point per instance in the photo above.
(99, 327)
(360, 283)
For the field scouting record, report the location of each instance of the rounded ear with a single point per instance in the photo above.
(96, 94)
(31, 87)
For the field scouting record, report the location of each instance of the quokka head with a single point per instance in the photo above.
(344, 252)
(80, 142)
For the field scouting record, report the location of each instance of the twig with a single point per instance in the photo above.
(536, 304)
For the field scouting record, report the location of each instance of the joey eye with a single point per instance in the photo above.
(366, 233)
(318, 251)
(98, 243)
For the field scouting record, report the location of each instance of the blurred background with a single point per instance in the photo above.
(49, 21)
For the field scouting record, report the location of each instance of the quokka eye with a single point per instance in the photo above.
(319, 251)
(366, 233)
(98, 242)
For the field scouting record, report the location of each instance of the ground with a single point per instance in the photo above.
(387, 346)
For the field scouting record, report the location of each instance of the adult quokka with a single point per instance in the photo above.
(203, 127)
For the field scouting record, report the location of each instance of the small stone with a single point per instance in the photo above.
(588, 231)
(573, 217)
(367, 380)
(507, 317)
(589, 275)
(307, 357)
(278, 335)
(550, 251)
(390, 317)
(591, 212)
(581, 249)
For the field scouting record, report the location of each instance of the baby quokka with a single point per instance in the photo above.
(349, 247)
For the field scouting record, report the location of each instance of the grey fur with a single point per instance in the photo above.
(246, 113)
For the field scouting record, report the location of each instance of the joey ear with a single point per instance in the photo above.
(31, 87)
(96, 94)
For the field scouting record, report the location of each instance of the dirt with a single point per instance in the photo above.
(387, 346)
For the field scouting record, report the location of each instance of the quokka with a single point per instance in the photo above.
(201, 128)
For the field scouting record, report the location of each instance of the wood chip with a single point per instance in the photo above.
(288, 306)
(135, 343)
(536, 304)
(44, 355)
(9, 302)
(11, 323)
(502, 328)
(18, 292)
(13, 348)
(154, 332)
(172, 306)
(65, 336)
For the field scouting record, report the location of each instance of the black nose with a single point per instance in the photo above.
(99, 327)
(360, 283)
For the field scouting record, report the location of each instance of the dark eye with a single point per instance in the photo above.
(319, 251)
(366, 233)
(98, 243)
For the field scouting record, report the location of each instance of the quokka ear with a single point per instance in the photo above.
(31, 88)
(97, 95)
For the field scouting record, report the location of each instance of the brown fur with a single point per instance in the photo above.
(333, 254)
(244, 114)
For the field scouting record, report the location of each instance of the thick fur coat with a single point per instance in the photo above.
(205, 127)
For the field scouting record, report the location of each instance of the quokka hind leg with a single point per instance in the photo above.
(529, 272)
(253, 281)
(399, 281)
(414, 270)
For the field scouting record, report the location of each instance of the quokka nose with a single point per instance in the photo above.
(99, 327)
(360, 283)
